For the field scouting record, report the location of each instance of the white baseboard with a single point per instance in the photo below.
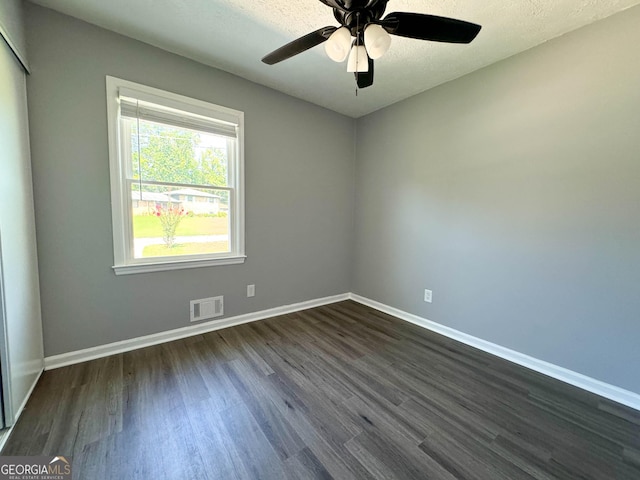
(611, 392)
(79, 356)
(589, 384)
(4, 435)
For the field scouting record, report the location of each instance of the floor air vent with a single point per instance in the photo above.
(206, 308)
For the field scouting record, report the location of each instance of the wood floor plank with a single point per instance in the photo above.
(381, 417)
(341, 391)
(217, 450)
(262, 402)
(306, 465)
(387, 460)
(221, 393)
(184, 368)
(234, 337)
(257, 455)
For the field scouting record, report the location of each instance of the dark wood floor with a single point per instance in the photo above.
(341, 391)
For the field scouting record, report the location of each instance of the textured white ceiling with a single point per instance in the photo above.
(234, 35)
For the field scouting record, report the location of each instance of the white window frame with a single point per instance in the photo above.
(121, 202)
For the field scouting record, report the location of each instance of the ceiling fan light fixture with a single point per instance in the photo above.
(337, 46)
(377, 40)
(358, 60)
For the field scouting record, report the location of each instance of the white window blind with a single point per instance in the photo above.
(132, 106)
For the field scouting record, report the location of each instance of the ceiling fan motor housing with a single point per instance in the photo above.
(358, 14)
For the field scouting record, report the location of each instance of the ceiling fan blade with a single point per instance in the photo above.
(299, 45)
(365, 80)
(430, 27)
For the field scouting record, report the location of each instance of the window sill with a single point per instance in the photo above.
(178, 265)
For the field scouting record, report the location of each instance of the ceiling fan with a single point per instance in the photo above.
(362, 20)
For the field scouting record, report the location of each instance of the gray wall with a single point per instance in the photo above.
(514, 194)
(21, 355)
(299, 178)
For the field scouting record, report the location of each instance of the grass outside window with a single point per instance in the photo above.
(148, 226)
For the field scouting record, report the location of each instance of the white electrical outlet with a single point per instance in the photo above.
(428, 294)
(251, 290)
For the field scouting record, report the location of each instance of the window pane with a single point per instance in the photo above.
(176, 221)
(164, 153)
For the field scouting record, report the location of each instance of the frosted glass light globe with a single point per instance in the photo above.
(358, 60)
(337, 47)
(377, 40)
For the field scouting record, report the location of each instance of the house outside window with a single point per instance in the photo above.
(176, 180)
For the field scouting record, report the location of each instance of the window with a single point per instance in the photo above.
(176, 180)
